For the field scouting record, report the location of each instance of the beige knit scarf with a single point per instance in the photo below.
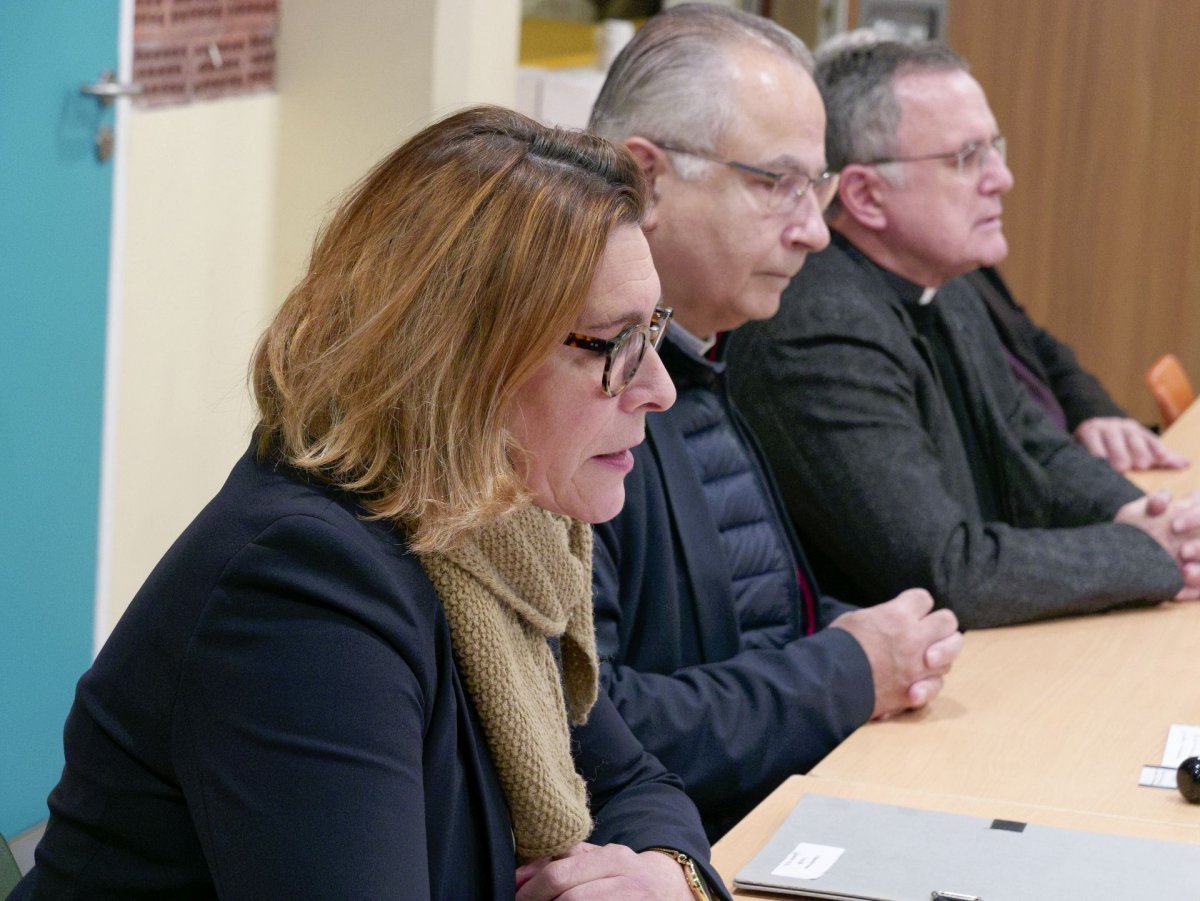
(511, 587)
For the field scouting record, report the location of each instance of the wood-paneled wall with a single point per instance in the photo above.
(1100, 101)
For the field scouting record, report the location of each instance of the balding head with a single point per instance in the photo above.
(673, 81)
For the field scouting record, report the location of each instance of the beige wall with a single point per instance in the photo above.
(357, 77)
(223, 199)
(200, 213)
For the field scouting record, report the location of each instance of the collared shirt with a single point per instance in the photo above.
(699, 346)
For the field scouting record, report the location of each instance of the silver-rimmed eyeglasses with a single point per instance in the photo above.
(970, 157)
(788, 189)
(623, 354)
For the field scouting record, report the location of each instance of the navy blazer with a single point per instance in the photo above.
(278, 714)
(733, 720)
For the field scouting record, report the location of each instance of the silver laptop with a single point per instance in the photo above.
(838, 848)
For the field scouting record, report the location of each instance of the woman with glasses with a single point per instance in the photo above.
(368, 668)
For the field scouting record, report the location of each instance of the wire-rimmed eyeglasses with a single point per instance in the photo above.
(973, 156)
(624, 353)
(787, 188)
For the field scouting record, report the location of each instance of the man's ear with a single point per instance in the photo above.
(649, 155)
(860, 191)
(654, 163)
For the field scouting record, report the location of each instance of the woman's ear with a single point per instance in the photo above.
(861, 192)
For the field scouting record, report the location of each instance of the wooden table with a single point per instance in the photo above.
(1046, 722)
(1060, 714)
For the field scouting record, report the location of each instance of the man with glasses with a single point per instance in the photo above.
(1044, 366)
(716, 643)
(905, 450)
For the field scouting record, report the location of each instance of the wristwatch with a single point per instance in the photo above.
(694, 880)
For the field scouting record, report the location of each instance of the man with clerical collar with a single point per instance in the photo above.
(717, 644)
(906, 452)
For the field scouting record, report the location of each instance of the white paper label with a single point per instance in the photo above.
(807, 861)
(1182, 742)
(1158, 776)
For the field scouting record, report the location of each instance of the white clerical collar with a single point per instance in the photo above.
(926, 297)
(698, 346)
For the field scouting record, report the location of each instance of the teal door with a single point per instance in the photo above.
(55, 202)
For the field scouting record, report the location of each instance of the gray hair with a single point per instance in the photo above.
(670, 83)
(858, 87)
(837, 44)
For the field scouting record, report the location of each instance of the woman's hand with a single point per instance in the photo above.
(609, 871)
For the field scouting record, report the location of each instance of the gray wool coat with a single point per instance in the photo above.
(846, 399)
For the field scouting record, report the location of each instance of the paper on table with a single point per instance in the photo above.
(808, 861)
(1182, 742)
(1157, 776)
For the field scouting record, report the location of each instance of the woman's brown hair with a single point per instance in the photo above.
(434, 292)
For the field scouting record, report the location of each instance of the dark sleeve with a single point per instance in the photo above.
(1080, 489)
(830, 608)
(635, 801)
(734, 728)
(1078, 392)
(837, 411)
(298, 731)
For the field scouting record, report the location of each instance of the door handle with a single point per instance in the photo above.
(106, 88)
